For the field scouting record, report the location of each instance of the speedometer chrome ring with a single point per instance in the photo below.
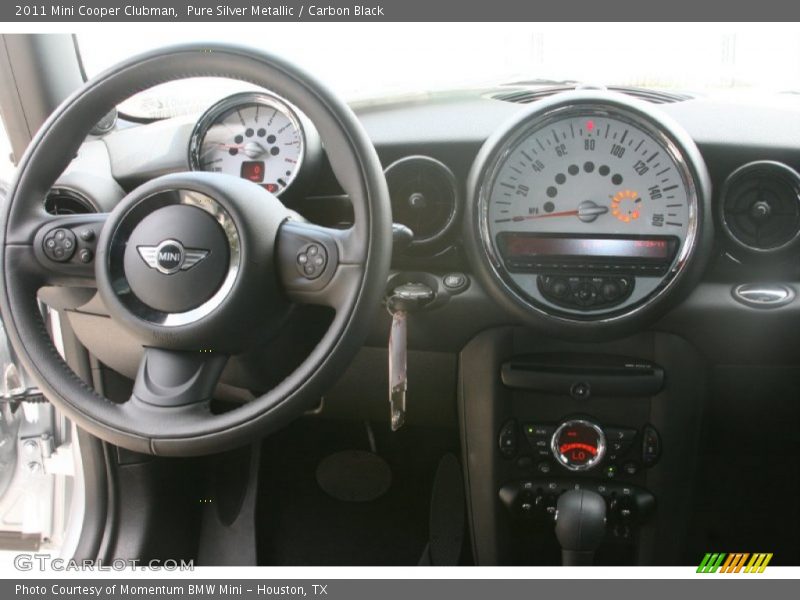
(587, 210)
(253, 135)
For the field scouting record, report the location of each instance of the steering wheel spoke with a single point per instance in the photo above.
(173, 379)
(318, 265)
(64, 250)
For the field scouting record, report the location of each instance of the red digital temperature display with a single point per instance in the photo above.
(253, 170)
(578, 444)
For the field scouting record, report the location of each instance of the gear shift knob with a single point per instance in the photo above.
(580, 526)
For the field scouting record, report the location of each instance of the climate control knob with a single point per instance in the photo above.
(578, 445)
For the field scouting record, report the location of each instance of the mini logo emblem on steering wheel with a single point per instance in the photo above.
(170, 256)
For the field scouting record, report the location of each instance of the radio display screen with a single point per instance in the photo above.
(516, 246)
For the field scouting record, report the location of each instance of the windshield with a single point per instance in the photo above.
(361, 61)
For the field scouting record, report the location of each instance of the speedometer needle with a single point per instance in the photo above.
(587, 212)
(565, 213)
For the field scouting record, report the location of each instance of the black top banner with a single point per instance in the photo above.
(399, 10)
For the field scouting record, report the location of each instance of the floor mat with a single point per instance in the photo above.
(354, 476)
(299, 524)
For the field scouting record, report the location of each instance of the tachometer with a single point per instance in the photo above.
(256, 136)
(587, 206)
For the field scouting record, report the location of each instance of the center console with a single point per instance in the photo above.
(543, 417)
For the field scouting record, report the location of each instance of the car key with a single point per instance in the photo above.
(398, 376)
(404, 298)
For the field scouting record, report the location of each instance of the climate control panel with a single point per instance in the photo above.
(579, 445)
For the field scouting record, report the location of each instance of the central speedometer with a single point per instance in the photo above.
(588, 206)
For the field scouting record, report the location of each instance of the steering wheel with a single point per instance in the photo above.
(198, 266)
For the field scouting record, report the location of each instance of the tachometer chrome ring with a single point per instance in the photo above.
(226, 105)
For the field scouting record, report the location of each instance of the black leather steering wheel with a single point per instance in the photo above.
(190, 319)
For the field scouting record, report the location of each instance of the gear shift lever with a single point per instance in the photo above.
(580, 526)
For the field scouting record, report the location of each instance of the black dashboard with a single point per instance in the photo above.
(582, 263)
(428, 145)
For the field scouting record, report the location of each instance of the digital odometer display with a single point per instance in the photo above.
(578, 445)
(515, 245)
(253, 170)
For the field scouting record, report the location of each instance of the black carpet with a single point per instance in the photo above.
(299, 524)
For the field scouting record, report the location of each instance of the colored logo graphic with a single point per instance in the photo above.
(741, 562)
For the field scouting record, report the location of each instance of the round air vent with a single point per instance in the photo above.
(63, 201)
(424, 197)
(761, 206)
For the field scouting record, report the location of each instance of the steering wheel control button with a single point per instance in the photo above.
(86, 256)
(312, 260)
(59, 244)
(455, 282)
(176, 258)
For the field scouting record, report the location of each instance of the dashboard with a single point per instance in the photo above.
(582, 207)
(574, 260)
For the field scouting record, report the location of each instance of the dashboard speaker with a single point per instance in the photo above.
(424, 197)
(761, 207)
